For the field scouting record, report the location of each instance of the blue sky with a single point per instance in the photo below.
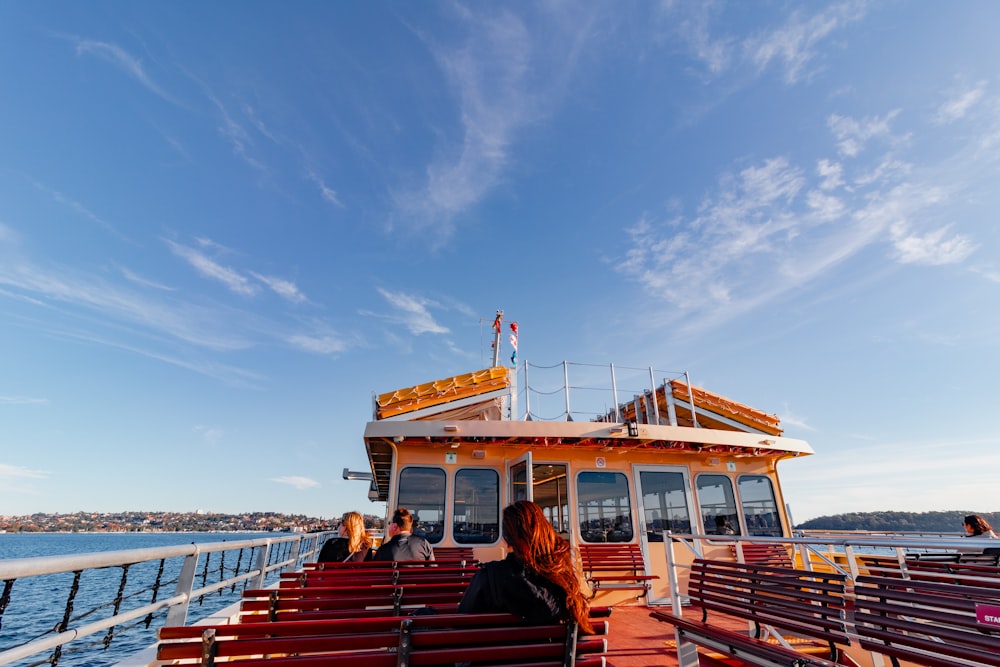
(224, 225)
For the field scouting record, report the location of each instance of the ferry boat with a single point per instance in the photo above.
(646, 491)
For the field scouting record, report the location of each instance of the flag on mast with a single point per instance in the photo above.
(513, 344)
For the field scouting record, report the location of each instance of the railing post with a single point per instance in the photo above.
(694, 410)
(614, 395)
(527, 394)
(177, 615)
(293, 556)
(569, 414)
(262, 559)
(656, 406)
(687, 652)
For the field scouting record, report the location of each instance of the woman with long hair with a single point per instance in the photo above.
(539, 580)
(353, 545)
(977, 526)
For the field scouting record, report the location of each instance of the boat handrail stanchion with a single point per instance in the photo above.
(694, 411)
(262, 557)
(614, 397)
(177, 615)
(527, 394)
(569, 414)
(656, 406)
(687, 652)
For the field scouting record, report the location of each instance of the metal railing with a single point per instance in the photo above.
(101, 595)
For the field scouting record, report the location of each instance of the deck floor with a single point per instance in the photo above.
(636, 640)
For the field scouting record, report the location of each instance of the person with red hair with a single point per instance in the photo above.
(539, 580)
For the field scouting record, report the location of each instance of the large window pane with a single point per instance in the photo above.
(664, 504)
(604, 507)
(718, 505)
(421, 490)
(477, 507)
(760, 510)
(550, 494)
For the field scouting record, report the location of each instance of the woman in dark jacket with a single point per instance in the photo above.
(538, 580)
(353, 545)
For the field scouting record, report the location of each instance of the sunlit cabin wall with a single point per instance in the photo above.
(450, 473)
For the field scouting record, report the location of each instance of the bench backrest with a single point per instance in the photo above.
(278, 602)
(766, 553)
(930, 622)
(368, 576)
(487, 639)
(801, 601)
(608, 557)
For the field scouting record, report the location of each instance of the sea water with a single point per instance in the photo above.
(38, 604)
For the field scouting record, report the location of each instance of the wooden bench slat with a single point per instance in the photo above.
(615, 566)
(427, 640)
(931, 622)
(801, 602)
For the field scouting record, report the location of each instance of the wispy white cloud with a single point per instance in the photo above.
(13, 473)
(300, 483)
(122, 59)
(326, 192)
(133, 277)
(794, 45)
(236, 134)
(772, 227)
(211, 436)
(936, 247)
(321, 344)
(23, 400)
(17, 480)
(958, 105)
(209, 268)
(853, 134)
(286, 289)
(489, 73)
(413, 312)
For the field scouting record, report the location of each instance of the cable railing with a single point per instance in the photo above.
(65, 610)
(571, 391)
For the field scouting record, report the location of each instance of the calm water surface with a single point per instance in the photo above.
(38, 604)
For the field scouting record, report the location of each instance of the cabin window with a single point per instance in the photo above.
(477, 506)
(421, 490)
(550, 493)
(605, 507)
(760, 510)
(664, 503)
(718, 505)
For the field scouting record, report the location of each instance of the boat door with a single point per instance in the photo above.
(519, 472)
(665, 500)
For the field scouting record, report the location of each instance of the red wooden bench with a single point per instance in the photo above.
(762, 553)
(318, 602)
(484, 640)
(615, 566)
(928, 622)
(460, 555)
(781, 600)
(369, 575)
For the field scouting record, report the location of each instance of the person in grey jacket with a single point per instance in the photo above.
(403, 544)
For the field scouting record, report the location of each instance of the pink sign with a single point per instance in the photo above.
(988, 614)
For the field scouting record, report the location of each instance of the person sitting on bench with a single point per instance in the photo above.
(538, 580)
(403, 545)
(352, 546)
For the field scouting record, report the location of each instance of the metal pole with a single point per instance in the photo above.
(527, 394)
(656, 406)
(694, 412)
(569, 415)
(496, 338)
(614, 397)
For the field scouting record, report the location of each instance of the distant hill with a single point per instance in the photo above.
(929, 522)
